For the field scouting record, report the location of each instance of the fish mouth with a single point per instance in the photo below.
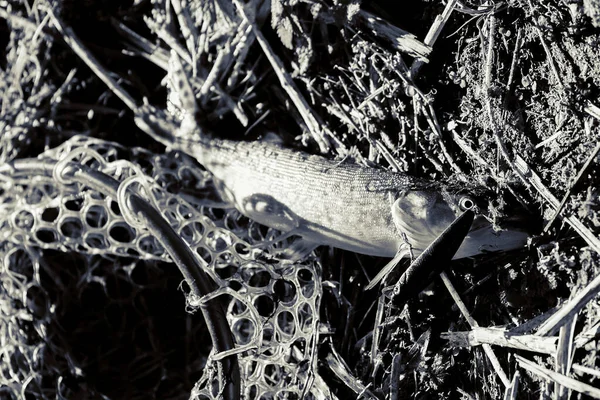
(509, 233)
(423, 215)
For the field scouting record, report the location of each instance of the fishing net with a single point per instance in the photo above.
(272, 304)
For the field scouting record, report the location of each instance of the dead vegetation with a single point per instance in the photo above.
(502, 95)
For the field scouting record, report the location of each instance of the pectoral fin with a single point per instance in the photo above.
(208, 196)
(403, 251)
(268, 211)
(298, 250)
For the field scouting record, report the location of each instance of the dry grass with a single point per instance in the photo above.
(504, 96)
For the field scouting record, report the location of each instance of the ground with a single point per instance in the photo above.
(502, 96)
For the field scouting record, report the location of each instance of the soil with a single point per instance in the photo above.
(503, 82)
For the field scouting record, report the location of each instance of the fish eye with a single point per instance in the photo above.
(466, 203)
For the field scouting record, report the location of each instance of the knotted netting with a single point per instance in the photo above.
(272, 304)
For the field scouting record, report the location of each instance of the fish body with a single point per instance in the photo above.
(343, 205)
(340, 204)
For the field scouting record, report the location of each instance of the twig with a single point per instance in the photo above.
(574, 305)
(432, 35)
(243, 41)
(481, 10)
(513, 64)
(420, 101)
(533, 323)
(570, 309)
(551, 138)
(478, 160)
(549, 375)
(337, 365)
(592, 109)
(160, 57)
(24, 23)
(315, 127)
(471, 321)
(586, 336)
(395, 376)
(432, 120)
(214, 74)
(438, 24)
(550, 59)
(149, 50)
(511, 392)
(73, 41)
(57, 96)
(581, 369)
(342, 111)
(465, 395)
(564, 355)
(386, 154)
(377, 330)
(169, 39)
(230, 103)
(464, 146)
(403, 41)
(187, 27)
(530, 178)
(228, 10)
(487, 82)
(500, 337)
(583, 169)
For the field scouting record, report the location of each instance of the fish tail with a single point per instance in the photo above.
(181, 133)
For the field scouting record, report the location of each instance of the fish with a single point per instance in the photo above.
(343, 204)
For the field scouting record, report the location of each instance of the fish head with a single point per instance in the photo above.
(422, 215)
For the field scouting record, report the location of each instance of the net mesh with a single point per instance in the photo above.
(272, 304)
